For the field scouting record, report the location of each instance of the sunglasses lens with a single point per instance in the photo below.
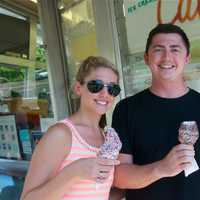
(95, 86)
(113, 89)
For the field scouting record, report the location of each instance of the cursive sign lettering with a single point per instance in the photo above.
(180, 16)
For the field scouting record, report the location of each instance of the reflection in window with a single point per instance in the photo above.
(24, 83)
(24, 80)
(79, 35)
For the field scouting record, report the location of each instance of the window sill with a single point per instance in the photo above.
(17, 168)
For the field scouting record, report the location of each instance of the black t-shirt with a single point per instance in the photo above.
(148, 128)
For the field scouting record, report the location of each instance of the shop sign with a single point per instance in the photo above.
(142, 15)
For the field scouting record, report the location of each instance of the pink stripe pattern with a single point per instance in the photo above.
(84, 189)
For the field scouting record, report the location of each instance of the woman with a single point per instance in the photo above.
(65, 164)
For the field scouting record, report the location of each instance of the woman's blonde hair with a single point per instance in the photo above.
(92, 63)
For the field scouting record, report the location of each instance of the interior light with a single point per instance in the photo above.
(35, 1)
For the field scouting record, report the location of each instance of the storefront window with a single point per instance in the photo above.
(79, 34)
(136, 19)
(25, 97)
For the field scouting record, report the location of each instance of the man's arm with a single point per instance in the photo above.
(116, 192)
(132, 176)
(129, 175)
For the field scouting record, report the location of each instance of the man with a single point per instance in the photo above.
(152, 159)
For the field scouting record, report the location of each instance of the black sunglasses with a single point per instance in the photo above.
(95, 86)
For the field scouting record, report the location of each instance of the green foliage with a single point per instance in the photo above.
(11, 74)
(40, 55)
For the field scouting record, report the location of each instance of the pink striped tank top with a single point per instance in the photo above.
(84, 189)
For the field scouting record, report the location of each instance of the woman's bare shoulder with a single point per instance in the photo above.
(58, 130)
(57, 140)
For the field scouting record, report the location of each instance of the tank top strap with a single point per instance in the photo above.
(75, 134)
(70, 125)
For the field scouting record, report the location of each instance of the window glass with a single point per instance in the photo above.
(17, 44)
(79, 34)
(25, 98)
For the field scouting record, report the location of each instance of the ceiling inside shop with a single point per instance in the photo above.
(28, 6)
